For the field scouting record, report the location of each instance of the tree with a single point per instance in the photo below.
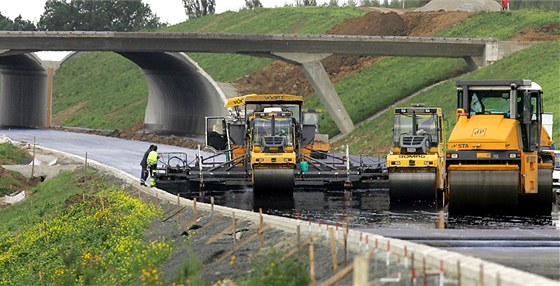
(351, 3)
(252, 4)
(369, 3)
(199, 8)
(306, 2)
(109, 15)
(18, 24)
(333, 3)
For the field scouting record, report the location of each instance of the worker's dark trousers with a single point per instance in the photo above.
(144, 174)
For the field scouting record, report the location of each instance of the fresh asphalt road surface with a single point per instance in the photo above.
(122, 154)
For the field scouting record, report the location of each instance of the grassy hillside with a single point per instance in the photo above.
(110, 92)
(96, 83)
(540, 63)
(99, 90)
(65, 235)
(374, 88)
(286, 20)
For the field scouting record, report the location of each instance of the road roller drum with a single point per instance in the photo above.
(271, 181)
(412, 186)
(540, 203)
(482, 192)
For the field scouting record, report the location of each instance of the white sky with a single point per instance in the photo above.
(170, 11)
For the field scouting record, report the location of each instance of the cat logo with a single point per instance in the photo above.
(479, 132)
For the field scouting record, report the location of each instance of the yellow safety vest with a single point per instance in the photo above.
(152, 158)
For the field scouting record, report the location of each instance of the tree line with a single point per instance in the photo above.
(133, 15)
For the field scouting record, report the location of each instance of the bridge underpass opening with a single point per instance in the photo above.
(180, 95)
(23, 91)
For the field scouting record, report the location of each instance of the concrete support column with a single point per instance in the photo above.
(491, 54)
(321, 83)
(474, 62)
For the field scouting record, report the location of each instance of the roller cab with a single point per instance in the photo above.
(496, 160)
(416, 161)
(273, 156)
(319, 146)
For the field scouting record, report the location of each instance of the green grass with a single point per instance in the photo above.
(388, 81)
(285, 20)
(501, 25)
(384, 83)
(540, 63)
(11, 155)
(269, 269)
(59, 237)
(107, 89)
(12, 183)
(110, 92)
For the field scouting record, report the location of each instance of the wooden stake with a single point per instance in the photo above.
(211, 205)
(338, 276)
(360, 271)
(85, 167)
(301, 245)
(237, 247)
(234, 230)
(261, 231)
(178, 200)
(333, 250)
(346, 247)
(33, 164)
(219, 235)
(194, 210)
(311, 264)
(458, 273)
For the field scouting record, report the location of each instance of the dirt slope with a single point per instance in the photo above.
(281, 77)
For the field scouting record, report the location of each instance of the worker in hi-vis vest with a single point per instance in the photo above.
(152, 164)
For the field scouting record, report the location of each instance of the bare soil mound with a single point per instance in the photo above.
(281, 77)
(422, 24)
(550, 32)
(11, 182)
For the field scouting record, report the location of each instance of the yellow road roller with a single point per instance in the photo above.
(263, 134)
(497, 159)
(416, 161)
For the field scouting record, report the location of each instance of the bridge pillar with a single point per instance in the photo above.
(321, 83)
(490, 55)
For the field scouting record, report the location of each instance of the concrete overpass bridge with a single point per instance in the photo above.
(180, 93)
